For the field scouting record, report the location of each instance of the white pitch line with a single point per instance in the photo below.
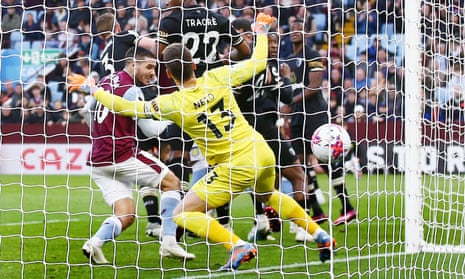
(38, 222)
(217, 274)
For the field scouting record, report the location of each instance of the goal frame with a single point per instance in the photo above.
(414, 198)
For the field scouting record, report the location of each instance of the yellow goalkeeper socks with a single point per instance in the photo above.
(206, 227)
(288, 208)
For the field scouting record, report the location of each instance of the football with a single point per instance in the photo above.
(330, 142)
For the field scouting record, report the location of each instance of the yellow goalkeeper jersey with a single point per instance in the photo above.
(208, 112)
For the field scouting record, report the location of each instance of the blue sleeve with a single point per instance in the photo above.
(134, 94)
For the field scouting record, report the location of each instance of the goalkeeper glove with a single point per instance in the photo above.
(262, 23)
(81, 84)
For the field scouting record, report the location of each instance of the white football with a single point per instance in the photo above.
(330, 142)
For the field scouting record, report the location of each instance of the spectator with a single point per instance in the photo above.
(350, 101)
(373, 49)
(145, 7)
(36, 104)
(310, 25)
(153, 28)
(84, 45)
(359, 114)
(394, 103)
(376, 108)
(9, 112)
(122, 16)
(79, 17)
(285, 48)
(60, 72)
(367, 20)
(455, 107)
(60, 14)
(10, 22)
(32, 30)
(362, 96)
(65, 36)
(138, 23)
(76, 107)
(8, 94)
(37, 98)
(361, 80)
(55, 113)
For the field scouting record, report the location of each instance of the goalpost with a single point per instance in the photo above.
(416, 146)
(412, 131)
(410, 200)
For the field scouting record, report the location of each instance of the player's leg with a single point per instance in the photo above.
(300, 147)
(117, 194)
(215, 190)
(288, 208)
(261, 229)
(348, 212)
(151, 171)
(150, 194)
(180, 145)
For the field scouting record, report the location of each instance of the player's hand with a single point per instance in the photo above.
(81, 84)
(262, 23)
(285, 70)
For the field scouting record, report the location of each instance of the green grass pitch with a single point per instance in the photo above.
(44, 221)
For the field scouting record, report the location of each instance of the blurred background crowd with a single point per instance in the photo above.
(361, 43)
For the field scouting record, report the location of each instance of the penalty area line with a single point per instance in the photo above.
(217, 274)
(38, 222)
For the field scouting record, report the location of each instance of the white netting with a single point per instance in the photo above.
(48, 210)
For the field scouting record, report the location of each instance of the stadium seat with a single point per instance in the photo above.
(382, 37)
(399, 41)
(388, 29)
(56, 95)
(321, 22)
(37, 45)
(361, 42)
(25, 45)
(351, 51)
(16, 39)
(11, 60)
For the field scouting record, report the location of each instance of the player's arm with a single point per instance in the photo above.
(315, 78)
(245, 70)
(139, 109)
(148, 43)
(240, 51)
(150, 127)
(284, 85)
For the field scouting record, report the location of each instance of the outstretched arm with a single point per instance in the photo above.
(139, 109)
(244, 70)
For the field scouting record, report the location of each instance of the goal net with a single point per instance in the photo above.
(394, 77)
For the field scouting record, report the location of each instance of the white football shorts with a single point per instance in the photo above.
(117, 181)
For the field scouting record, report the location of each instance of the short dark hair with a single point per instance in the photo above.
(178, 61)
(242, 24)
(138, 53)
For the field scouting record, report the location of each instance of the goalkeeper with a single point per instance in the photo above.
(207, 110)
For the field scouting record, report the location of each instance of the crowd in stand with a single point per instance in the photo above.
(365, 86)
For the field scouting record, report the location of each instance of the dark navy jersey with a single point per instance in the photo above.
(301, 64)
(204, 32)
(112, 58)
(261, 95)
